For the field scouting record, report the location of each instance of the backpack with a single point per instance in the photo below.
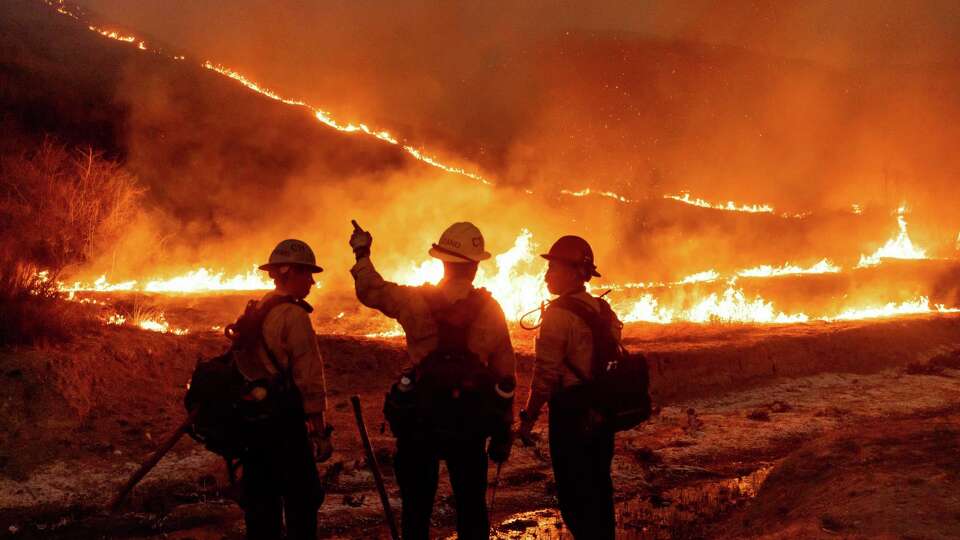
(618, 386)
(219, 391)
(454, 391)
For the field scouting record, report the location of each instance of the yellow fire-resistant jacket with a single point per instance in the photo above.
(289, 334)
(562, 335)
(488, 337)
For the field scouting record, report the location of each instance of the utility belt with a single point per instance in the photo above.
(414, 411)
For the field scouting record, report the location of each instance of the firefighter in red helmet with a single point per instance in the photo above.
(581, 445)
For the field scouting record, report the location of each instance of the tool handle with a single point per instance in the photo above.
(374, 467)
(152, 461)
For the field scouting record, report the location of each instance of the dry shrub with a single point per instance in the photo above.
(58, 207)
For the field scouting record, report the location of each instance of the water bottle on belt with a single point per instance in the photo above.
(400, 405)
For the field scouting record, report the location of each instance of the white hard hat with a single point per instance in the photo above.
(461, 243)
(292, 252)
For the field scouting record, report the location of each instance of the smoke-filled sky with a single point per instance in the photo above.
(827, 31)
(772, 100)
(808, 106)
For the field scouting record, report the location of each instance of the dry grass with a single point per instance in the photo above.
(58, 207)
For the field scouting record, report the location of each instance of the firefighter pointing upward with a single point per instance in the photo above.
(459, 389)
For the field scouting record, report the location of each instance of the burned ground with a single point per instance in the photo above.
(81, 415)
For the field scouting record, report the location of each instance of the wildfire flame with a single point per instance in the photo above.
(822, 267)
(900, 247)
(114, 35)
(730, 306)
(156, 322)
(730, 206)
(325, 118)
(199, 280)
(517, 282)
(700, 277)
(515, 289)
(918, 306)
(586, 192)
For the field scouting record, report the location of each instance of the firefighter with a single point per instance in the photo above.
(280, 482)
(581, 445)
(447, 416)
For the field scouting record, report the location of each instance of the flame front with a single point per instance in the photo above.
(154, 322)
(822, 267)
(730, 206)
(915, 307)
(517, 281)
(586, 192)
(194, 281)
(900, 247)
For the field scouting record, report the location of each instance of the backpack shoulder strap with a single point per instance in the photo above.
(264, 309)
(597, 322)
(454, 319)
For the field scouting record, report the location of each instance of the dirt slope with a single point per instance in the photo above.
(898, 479)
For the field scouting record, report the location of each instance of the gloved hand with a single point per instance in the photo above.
(320, 435)
(499, 448)
(360, 241)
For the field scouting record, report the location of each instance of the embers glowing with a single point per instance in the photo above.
(900, 247)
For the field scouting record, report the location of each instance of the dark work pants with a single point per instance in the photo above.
(417, 467)
(581, 466)
(280, 482)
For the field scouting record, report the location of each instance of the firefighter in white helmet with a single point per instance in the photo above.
(458, 391)
(280, 482)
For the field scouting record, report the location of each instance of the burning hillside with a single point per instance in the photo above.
(770, 200)
(725, 235)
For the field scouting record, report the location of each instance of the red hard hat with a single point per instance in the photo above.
(573, 250)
